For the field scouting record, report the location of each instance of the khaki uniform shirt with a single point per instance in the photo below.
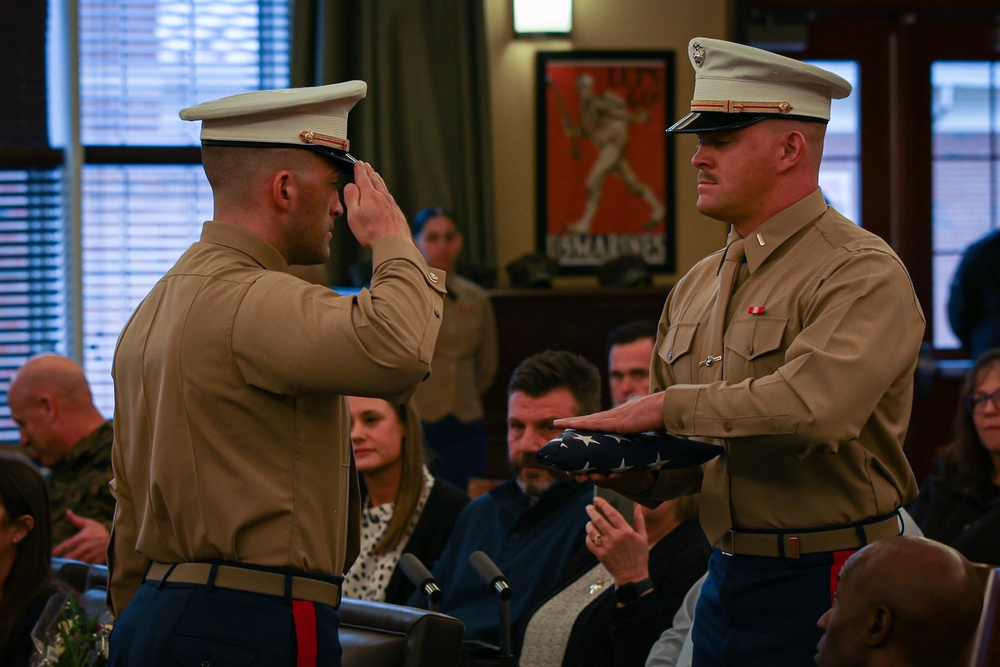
(232, 430)
(465, 358)
(817, 386)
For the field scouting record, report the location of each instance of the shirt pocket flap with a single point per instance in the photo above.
(677, 342)
(752, 337)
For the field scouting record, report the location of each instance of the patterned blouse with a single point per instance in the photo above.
(368, 577)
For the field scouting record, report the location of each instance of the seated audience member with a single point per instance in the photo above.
(901, 602)
(26, 581)
(622, 590)
(630, 347)
(465, 359)
(959, 503)
(974, 298)
(403, 508)
(62, 429)
(528, 525)
(675, 648)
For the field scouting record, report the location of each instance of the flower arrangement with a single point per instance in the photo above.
(68, 636)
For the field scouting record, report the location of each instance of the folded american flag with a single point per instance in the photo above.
(580, 451)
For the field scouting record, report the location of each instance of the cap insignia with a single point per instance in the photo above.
(324, 140)
(698, 54)
(736, 106)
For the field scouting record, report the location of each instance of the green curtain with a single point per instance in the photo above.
(425, 124)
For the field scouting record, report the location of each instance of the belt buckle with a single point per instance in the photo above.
(732, 543)
(793, 548)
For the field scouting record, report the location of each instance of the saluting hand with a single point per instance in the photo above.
(372, 211)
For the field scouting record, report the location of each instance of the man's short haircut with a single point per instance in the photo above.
(554, 369)
(629, 333)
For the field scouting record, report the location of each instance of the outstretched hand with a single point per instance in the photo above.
(372, 211)
(636, 416)
(89, 545)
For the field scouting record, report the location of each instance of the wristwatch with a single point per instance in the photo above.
(629, 593)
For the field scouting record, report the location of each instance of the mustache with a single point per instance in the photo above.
(526, 461)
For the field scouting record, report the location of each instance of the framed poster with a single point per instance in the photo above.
(605, 187)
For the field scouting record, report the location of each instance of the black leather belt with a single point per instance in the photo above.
(245, 579)
(794, 544)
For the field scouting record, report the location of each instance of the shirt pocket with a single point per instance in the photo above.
(754, 346)
(675, 351)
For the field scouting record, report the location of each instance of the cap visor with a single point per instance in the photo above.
(345, 161)
(711, 121)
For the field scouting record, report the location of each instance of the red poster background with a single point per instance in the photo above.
(642, 84)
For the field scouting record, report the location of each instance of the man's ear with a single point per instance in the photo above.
(879, 626)
(284, 189)
(794, 149)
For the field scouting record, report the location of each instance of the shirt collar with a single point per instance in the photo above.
(780, 227)
(238, 238)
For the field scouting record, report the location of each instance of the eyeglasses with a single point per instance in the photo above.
(977, 400)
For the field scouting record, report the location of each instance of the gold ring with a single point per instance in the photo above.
(596, 539)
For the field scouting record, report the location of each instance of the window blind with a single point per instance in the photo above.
(33, 294)
(143, 193)
(141, 62)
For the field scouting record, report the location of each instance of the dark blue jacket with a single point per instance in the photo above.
(974, 303)
(529, 543)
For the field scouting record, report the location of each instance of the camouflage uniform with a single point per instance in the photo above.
(80, 482)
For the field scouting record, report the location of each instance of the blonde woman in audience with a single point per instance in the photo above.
(404, 509)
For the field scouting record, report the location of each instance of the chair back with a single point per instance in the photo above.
(378, 634)
(89, 581)
(984, 650)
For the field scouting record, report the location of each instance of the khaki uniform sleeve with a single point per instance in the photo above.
(125, 565)
(378, 343)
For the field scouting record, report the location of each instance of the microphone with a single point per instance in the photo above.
(421, 577)
(495, 579)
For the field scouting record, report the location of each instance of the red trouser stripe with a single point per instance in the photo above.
(304, 614)
(839, 558)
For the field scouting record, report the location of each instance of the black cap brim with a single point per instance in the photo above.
(712, 121)
(715, 121)
(345, 161)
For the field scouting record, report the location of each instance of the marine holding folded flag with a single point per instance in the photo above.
(237, 495)
(804, 372)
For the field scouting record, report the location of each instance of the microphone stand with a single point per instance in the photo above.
(495, 579)
(421, 577)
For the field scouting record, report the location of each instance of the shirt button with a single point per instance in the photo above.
(437, 313)
(727, 427)
(750, 350)
(680, 423)
(433, 277)
(670, 355)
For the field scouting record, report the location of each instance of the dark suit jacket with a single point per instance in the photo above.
(604, 635)
(429, 536)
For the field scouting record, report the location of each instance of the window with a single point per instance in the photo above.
(840, 171)
(965, 135)
(143, 195)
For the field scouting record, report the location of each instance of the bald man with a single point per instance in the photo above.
(902, 602)
(62, 429)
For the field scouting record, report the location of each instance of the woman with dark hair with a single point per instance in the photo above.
(404, 509)
(465, 359)
(26, 581)
(959, 504)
